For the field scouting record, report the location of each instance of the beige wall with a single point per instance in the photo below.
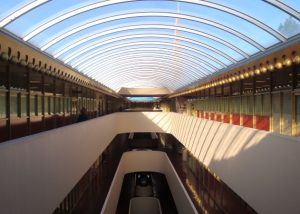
(38, 171)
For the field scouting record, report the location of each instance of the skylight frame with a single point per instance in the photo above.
(162, 50)
(90, 47)
(97, 52)
(74, 29)
(176, 67)
(45, 25)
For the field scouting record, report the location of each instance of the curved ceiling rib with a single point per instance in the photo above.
(156, 55)
(280, 5)
(99, 51)
(157, 43)
(73, 44)
(99, 68)
(19, 11)
(89, 47)
(166, 80)
(128, 75)
(75, 29)
(163, 64)
(161, 50)
(133, 83)
(166, 68)
(153, 73)
(59, 18)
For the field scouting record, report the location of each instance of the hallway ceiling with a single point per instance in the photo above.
(151, 44)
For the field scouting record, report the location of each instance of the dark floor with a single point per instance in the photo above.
(208, 193)
(157, 185)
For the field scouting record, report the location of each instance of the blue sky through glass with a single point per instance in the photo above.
(226, 37)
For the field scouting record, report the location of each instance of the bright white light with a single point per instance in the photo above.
(20, 11)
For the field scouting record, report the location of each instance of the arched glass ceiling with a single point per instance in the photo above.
(151, 43)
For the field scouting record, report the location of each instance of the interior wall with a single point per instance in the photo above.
(39, 170)
(261, 167)
(153, 161)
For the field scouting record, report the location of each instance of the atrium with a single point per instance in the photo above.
(190, 106)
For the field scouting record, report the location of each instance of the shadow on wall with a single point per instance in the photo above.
(261, 167)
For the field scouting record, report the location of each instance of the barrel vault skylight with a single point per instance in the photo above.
(151, 43)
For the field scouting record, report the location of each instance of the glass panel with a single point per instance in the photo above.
(51, 105)
(276, 112)
(286, 113)
(79, 103)
(46, 105)
(261, 11)
(3, 75)
(39, 105)
(100, 107)
(62, 106)
(68, 104)
(293, 4)
(258, 104)
(33, 110)
(266, 105)
(2, 105)
(235, 105)
(14, 105)
(222, 27)
(57, 105)
(75, 105)
(226, 105)
(247, 105)
(8, 7)
(229, 20)
(24, 101)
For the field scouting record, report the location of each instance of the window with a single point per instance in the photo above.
(46, 105)
(39, 105)
(3, 105)
(68, 104)
(24, 101)
(51, 105)
(266, 105)
(226, 104)
(79, 103)
(247, 105)
(235, 105)
(62, 106)
(258, 105)
(57, 105)
(14, 105)
(33, 106)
